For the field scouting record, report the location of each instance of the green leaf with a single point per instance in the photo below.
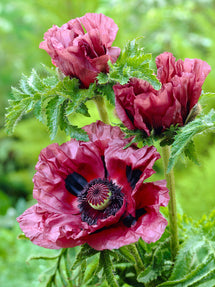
(82, 109)
(102, 78)
(126, 254)
(195, 262)
(91, 269)
(202, 271)
(132, 62)
(52, 101)
(106, 90)
(185, 135)
(190, 152)
(108, 268)
(53, 114)
(85, 252)
(149, 274)
(42, 258)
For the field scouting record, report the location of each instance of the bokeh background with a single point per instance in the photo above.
(183, 27)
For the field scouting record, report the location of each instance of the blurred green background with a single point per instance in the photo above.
(185, 28)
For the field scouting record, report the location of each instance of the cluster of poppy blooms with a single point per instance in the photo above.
(95, 192)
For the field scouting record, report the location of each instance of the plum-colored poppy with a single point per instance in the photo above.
(94, 192)
(79, 54)
(140, 106)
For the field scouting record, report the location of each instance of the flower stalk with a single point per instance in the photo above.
(172, 203)
(134, 251)
(100, 104)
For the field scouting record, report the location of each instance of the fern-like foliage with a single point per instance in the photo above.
(183, 140)
(52, 101)
(195, 262)
(132, 62)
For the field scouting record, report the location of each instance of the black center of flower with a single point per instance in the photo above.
(99, 199)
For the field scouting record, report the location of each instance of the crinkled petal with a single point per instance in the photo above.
(102, 134)
(117, 159)
(151, 194)
(55, 164)
(165, 67)
(43, 228)
(106, 26)
(149, 227)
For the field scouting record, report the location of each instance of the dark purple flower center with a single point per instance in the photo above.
(99, 199)
(98, 196)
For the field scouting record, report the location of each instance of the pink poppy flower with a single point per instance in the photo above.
(79, 54)
(139, 106)
(94, 192)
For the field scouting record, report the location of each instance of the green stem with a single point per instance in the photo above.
(172, 203)
(100, 104)
(139, 264)
(108, 268)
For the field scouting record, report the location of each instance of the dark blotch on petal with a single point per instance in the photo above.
(75, 183)
(140, 212)
(133, 175)
(129, 220)
(104, 164)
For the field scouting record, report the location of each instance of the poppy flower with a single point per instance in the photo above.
(94, 192)
(140, 106)
(82, 48)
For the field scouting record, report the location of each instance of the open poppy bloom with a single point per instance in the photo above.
(94, 192)
(82, 48)
(140, 106)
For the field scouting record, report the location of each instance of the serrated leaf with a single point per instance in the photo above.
(132, 62)
(85, 252)
(190, 152)
(149, 274)
(12, 118)
(102, 78)
(107, 91)
(186, 134)
(25, 87)
(195, 262)
(46, 97)
(195, 276)
(53, 113)
(82, 109)
(35, 82)
(18, 94)
(77, 133)
(108, 269)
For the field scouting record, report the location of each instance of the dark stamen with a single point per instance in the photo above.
(133, 175)
(107, 189)
(75, 183)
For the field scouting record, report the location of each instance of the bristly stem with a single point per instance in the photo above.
(172, 203)
(139, 264)
(100, 104)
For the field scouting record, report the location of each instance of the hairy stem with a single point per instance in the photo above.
(139, 264)
(172, 203)
(100, 104)
(108, 268)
